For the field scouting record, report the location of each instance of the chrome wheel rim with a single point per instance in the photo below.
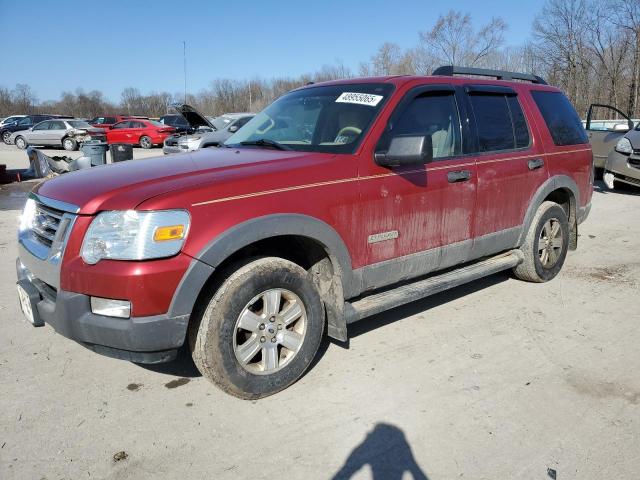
(270, 331)
(68, 145)
(20, 143)
(550, 243)
(145, 143)
(5, 137)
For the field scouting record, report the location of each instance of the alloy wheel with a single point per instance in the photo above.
(550, 243)
(270, 331)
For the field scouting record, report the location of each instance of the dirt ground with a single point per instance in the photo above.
(499, 379)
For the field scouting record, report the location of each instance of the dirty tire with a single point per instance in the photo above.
(211, 336)
(69, 144)
(145, 142)
(21, 143)
(5, 138)
(532, 268)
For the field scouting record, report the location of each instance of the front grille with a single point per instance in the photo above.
(634, 181)
(45, 224)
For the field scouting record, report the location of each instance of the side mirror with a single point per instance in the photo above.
(233, 128)
(620, 127)
(406, 150)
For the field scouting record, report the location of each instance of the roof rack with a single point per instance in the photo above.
(451, 70)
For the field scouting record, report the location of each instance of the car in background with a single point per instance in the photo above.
(58, 132)
(24, 123)
(623, 162)
(176, 121)
(223, 127)
(107, 121)
(145, 133)
(10, 119)
(604, 134)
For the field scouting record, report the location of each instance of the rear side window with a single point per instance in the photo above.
(561, 118)
(500, 122)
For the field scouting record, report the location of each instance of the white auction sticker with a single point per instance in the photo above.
(359, 98)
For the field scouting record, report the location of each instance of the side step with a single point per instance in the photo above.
(380, 302)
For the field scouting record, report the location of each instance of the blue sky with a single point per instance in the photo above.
(112, 44)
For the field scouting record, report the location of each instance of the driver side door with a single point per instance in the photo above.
(38, 135)
(420, 218)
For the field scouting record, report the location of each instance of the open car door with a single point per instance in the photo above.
(605, 126)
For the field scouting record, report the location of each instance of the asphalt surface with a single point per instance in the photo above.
(496, 379)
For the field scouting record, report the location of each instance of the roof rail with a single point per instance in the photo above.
(450, 70)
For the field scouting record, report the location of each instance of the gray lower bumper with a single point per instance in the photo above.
(143, 339)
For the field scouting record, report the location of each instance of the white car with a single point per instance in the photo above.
(60, 132)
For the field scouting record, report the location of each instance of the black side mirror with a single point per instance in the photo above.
(406, 150)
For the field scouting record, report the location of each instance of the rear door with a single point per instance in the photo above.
(605, 126)
(510, 164)
(57, 130)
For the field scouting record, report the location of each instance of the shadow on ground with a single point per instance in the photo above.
(386, 450)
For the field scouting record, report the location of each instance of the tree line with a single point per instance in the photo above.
(588, 48)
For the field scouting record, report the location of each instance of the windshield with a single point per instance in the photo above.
(330, 119)
(220, 123)
(78, 124)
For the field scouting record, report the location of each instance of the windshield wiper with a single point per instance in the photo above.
(264, 142)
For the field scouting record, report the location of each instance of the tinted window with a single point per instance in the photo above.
(493, 122)
(57, 126)
(242, 121)
(520, 129)
(434, 115)
(42, 126)
(79, 124)
(138, 124)
(25, 121)
(561, 118)
(122, 125)
(110, 120)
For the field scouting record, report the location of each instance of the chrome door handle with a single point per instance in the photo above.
(535, 163)
(458, 176)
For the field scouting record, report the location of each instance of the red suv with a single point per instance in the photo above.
(338, 201)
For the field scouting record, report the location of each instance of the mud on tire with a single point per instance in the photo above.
(246, 315)
(546, 244)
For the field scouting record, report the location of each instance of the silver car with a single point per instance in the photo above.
(66, 133)
(623, 162)
(223, 127)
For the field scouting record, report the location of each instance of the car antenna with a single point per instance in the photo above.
(184, 58)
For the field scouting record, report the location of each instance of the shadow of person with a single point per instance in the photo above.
(386, 451)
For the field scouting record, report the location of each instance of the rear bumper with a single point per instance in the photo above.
(151, 339)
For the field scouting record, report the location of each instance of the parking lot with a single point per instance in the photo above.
(496, 379)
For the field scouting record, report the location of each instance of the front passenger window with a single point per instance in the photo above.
(436, 115)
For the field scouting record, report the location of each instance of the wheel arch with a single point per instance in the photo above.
(304, 240)
(562, 190)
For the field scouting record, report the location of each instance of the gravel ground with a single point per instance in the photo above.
(497, 379)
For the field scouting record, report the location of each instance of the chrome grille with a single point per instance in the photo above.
(46, 224)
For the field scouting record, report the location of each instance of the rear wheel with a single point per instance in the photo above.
(21, 143)
(546, 244)
(69, 144)
(261, 330)
(145, 142)
(6, 138)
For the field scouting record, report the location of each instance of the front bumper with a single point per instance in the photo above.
(152, 339)
(625, 168)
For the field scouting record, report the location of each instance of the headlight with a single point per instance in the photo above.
(28, 215)
(624, 146)
(134, 235)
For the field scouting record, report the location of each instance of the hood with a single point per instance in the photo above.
(125, 185)
(193, 117)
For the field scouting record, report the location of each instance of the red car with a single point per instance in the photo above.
(338, 201)
(145, 133)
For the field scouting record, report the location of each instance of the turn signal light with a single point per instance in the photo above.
(174, 232)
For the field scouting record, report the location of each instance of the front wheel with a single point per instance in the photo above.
(21, 143)
(6, 138)
(145, 142)
(261, 330)
(546, 244)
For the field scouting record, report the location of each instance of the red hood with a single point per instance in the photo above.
(125, 185)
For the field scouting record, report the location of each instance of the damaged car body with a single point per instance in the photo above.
(58, 132)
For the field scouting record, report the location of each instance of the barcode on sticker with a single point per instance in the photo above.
(359, 98)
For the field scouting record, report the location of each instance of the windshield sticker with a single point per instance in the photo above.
(360, 98)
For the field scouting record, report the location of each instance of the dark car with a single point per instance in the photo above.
(178, 122)
(24, 124)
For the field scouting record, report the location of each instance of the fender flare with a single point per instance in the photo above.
(261, 228)
(554, 183)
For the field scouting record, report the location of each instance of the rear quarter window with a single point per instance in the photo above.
(561, 118)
